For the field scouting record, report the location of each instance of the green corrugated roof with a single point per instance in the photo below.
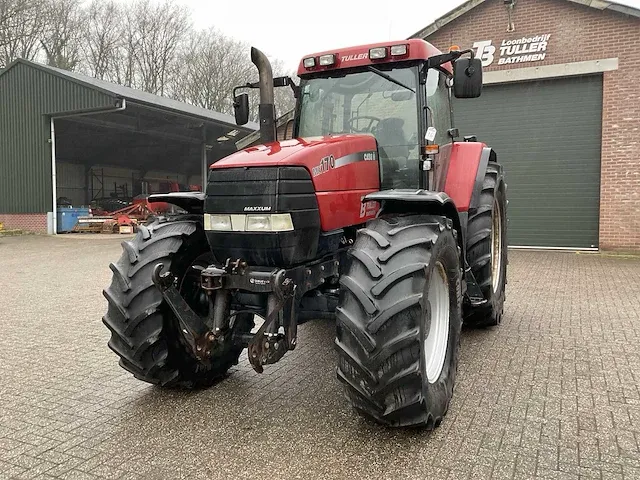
(138, 96)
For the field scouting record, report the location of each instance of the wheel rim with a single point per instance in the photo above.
(496, 246)
(435, 343)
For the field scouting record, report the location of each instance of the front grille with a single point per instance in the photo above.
(265, 190)
(260, 189)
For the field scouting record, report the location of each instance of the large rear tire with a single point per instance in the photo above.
(399, 320)
(144, 330)
(487, 249)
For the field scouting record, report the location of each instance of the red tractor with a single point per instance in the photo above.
(373, 215)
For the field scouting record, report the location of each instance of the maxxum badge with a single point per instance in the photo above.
(257, 209)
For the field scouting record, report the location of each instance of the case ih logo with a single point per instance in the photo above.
(355, 56)
(520, 50)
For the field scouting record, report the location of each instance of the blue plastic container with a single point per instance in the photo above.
(68, 217)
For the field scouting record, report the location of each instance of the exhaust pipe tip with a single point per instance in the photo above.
(267, 108)
(255, 54)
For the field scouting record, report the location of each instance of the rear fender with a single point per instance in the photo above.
(466, 172)
(192, 202)
(422, 201)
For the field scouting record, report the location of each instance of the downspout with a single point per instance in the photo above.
(266, 110)
(204, 165)
(54, 189)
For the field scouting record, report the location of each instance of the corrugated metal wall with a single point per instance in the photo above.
(27, 96)
(70, 178)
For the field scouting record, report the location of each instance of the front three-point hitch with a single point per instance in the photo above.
(283, 290)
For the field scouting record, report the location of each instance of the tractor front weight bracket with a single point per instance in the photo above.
(284, 289)
(195, 332)
(268, 346)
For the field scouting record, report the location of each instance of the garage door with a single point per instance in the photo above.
(547, 134)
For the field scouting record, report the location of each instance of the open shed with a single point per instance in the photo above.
(66, 138)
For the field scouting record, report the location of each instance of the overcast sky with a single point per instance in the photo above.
(290, 29)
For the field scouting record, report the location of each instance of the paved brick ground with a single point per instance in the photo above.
(552, 393)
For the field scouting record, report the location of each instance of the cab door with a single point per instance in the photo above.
(439, 121)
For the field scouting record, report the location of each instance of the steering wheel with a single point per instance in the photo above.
(373, 123)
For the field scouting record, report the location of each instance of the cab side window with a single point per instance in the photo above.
(438, 105)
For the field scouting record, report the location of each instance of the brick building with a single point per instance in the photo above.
(561, 106)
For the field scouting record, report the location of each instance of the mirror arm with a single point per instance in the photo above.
(247, 85)
(294, 87)
(438, 60)
(286, 81)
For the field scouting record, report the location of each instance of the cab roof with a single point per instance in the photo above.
(358, 56)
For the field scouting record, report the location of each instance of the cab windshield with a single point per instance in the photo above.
(366, 102)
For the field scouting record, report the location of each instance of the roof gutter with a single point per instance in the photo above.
(120, 105)
(168, 110)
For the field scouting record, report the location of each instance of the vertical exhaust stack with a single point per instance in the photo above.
(267, 110)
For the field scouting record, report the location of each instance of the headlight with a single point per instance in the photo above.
(326, 60)
(398, 50)
(277, 222)
(220, 223)
(377, 53)
(258, 223)
(281, 222)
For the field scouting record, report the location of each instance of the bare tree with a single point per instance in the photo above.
(21, 27)
(124, 69)
(63, 33)
(146, 44)
(156, 33)
(211, 65)
(103, 39)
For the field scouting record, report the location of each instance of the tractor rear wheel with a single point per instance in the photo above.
(144, 330)
(399, 320)
(487, 249)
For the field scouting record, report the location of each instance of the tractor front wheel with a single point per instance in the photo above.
(399, 320)
(144, 330)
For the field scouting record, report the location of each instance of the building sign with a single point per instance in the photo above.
(519, 50)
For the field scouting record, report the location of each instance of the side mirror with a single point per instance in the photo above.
(241, 108)
(467, 78)
(280, 81)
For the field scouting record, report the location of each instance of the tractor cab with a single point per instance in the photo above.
(364, 102)
(398, 92)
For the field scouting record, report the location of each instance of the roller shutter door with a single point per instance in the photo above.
(547, 135)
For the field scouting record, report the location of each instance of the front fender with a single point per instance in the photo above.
(192, 202)
(421, 201)
(433, 203)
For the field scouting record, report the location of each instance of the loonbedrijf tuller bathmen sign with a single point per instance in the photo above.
(518, 50)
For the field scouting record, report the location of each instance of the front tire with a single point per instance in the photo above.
(399, 320)
(144, 330)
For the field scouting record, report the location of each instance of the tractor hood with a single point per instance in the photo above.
(340, 162)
